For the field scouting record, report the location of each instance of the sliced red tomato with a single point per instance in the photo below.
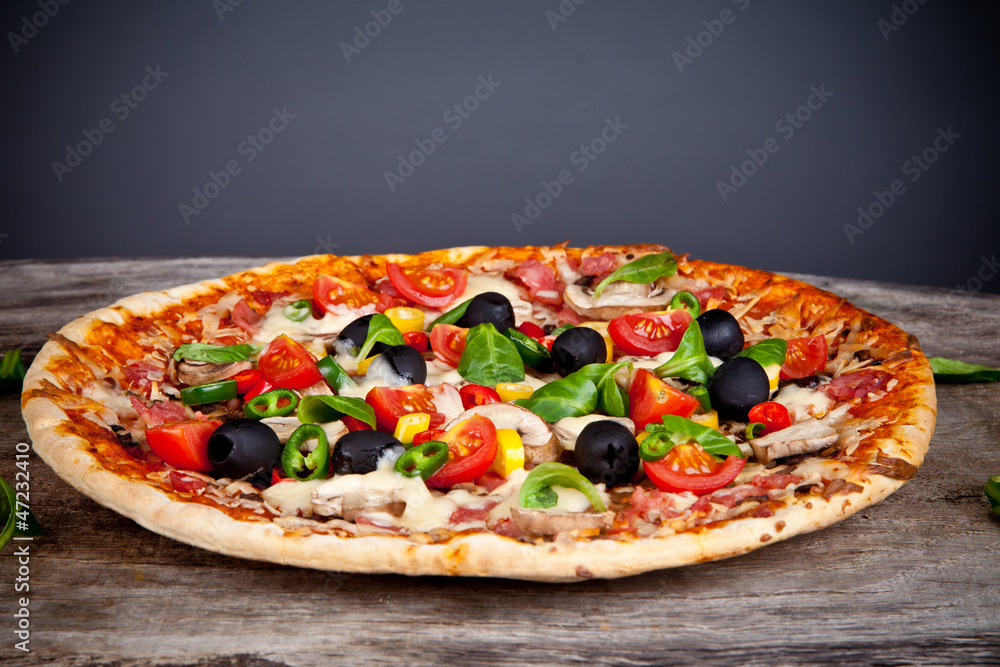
(688, 467)
(288, 365)
(418, 340)
(650, 398)
(425, 436)
(531, 329)
(391, 403)
(355, 424)
(774, 416)
(547, 341)
(476, 394)
(649, 334)
(247, 380)
(804, 357)
(448, 343)
(432, 288)
(262, 387)
(184, 445)
(472, 446)
(330, 291)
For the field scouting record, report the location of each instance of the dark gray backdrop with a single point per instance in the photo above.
(643, 109)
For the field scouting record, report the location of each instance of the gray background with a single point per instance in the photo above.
(320, 185)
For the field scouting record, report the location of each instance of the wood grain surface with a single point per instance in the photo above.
(913, 580)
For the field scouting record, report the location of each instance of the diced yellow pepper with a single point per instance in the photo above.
(772, 371)
(602, 328)
(709, 419)
(406, 319)
(510, 452)
(411, 424)
(365, 363)
(641, 435)
(509, 391)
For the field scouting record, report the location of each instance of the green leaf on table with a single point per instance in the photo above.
(11, 371)
(952, 370)
(15, 517)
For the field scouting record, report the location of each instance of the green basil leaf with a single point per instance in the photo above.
(540, 498)
(767, 352)
(611, 398)
(452, 316)
(952, 370)
(380, 330)
(216, 354)
(322, 409)
(547, 475)
(646, 269)
(690, 361)
(710, 440)
(490, 358)
(558, 330)
(701, 393)
(569, 397)
(15, 517)
(11, 371)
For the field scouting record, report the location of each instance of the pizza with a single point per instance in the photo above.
(542, 413)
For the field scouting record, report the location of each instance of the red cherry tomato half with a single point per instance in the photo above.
(288, 365)
(330, 291)
(531, 329)
(391, 403)
(247, 380)
(476, 394)
(429, 434)
(418, 340)
(355, 424)
(432, 288)
(650, 398)
(804, 357)
(448, 343)
(774, 416)
(649, 334)
(184, 445)
(262, 387)
(472, 446)
(688, 467)
(547, 341)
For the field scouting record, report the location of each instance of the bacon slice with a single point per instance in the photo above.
(159, 412)
(141, 375)
(540, 279)
(856, 385)
(245, 317)
(598, 266)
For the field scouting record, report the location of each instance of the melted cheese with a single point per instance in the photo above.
(291, 496)
(802, 402)
(480, 284)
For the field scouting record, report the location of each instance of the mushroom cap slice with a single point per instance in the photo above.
(808, 435)
(568, 429)
(540, 443)
(195, 373)
(617, 299)
(538, 522)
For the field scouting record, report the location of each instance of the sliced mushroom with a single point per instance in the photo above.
(618, 298)
(540, 443)
(568, 429)
(350, 505)
(537, 522)
(285, 426)
(194, 373)
(808, 435)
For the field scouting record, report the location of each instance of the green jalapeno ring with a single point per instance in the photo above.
(209, 393)
(294, 462)
(269, 404)
(334, 373)
(298, 311)
(687, 301)
(423, 460)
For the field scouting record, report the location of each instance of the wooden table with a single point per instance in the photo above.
(915, 579)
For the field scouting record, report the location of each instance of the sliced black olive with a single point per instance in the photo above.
(491, 307)
(353, 336)
(358, 452)
(607, 452)
(575, 348)
(738, 385)
(722, 333)
(243, 446)
(398, 366)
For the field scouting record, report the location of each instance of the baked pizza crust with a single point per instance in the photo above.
(910, 412)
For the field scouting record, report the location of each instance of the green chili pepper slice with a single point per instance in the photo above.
(274, 403)
(334, 373)
(299, 310)
(209, 393)
(536, 492)
(315, 464)
(687, 301)
(753, 428)
(992, 490)
(533, 353)
(657, 445)
(423, 460)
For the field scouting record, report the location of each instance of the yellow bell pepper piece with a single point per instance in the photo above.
(602, 328)
(365, 363)
(509, 391)
(406, 319)
(411, 424)
(709, 419)
(772, 371)
(510, 452)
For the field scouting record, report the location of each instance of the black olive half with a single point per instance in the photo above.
(358, 452)
(243, 446)
(575, 348)
(607, 452)
(722, 333)
(398, 366)
(491, 307)
(738, 385)
(353, 336)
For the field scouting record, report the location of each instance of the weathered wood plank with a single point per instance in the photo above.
(913, 580)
